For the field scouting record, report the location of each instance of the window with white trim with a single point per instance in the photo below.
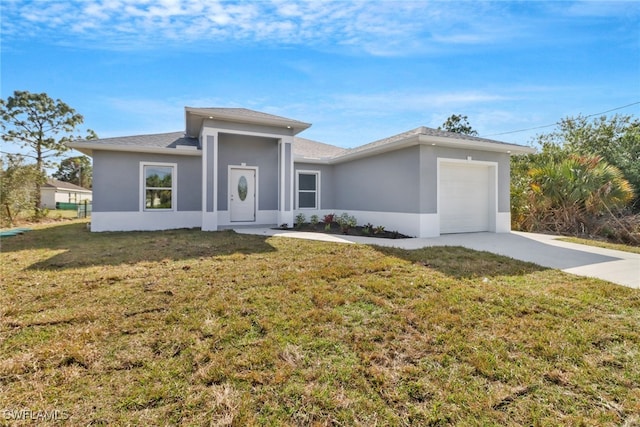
(308, 185)
(158, 186)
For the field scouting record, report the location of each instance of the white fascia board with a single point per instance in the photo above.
(89, 148)
(499, 147)
(312, 160)
(70, 190)
(80, 148)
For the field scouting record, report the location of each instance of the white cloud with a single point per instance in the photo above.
(376, 27)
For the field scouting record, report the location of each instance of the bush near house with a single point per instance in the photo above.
(346, 221)
(347, 224)
(576, 195)
(584, 182)
(300, 220)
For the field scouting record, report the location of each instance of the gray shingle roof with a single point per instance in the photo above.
(158, 140)
(423, 130)
(313, 149)
(56, 183)
(310, 149)
(240, 113)
(302, 147)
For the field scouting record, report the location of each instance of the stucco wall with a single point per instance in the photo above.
(253, 151)
(327, 189)
(235, 127)
(116, 180)
(429, 158)
(388, 182)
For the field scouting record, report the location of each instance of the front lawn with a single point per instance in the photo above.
(200, 328)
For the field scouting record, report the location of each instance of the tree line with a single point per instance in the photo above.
(40, 126)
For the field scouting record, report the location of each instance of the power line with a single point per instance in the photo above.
(556, 123)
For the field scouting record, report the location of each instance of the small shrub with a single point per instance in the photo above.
(367, 228)
(39, 214)
(379, 229)
(329, 218)
(314, 220)
(300, 220)
(346, 222)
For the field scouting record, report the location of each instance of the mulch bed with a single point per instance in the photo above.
(353, 231)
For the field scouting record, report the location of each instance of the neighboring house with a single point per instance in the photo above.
(62, 192)
(238, 167)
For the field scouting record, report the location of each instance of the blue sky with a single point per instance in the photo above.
(358, 71)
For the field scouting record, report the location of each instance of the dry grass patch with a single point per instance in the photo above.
(602, 244)
(196, 328)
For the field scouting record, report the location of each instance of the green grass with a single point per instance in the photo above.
(601, 244)
(200, 328)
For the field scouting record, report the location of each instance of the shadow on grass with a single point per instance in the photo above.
(74, 246)
(460, 262)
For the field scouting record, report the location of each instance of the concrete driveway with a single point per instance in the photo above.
(618, 267)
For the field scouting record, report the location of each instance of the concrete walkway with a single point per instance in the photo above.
(614, 266)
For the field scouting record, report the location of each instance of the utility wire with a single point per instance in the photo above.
(556, 123)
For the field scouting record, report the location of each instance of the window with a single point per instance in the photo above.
(158, 186)
(308, 190)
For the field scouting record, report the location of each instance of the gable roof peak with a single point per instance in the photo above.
(196, 115)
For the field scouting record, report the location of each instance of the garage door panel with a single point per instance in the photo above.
(464, 198)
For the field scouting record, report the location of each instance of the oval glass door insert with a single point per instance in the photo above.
(243, 188)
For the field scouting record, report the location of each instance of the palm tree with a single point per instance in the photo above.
(568, 195)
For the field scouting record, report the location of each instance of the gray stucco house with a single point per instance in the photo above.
(238, 167)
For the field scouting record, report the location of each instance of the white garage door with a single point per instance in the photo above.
(464, 197)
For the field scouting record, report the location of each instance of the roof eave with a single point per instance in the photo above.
(75, 190)
(295, 125)
(81, 149)
(312, 160)
(499, 147)
(89, 148)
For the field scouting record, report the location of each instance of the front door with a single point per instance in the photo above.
(242, 194)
